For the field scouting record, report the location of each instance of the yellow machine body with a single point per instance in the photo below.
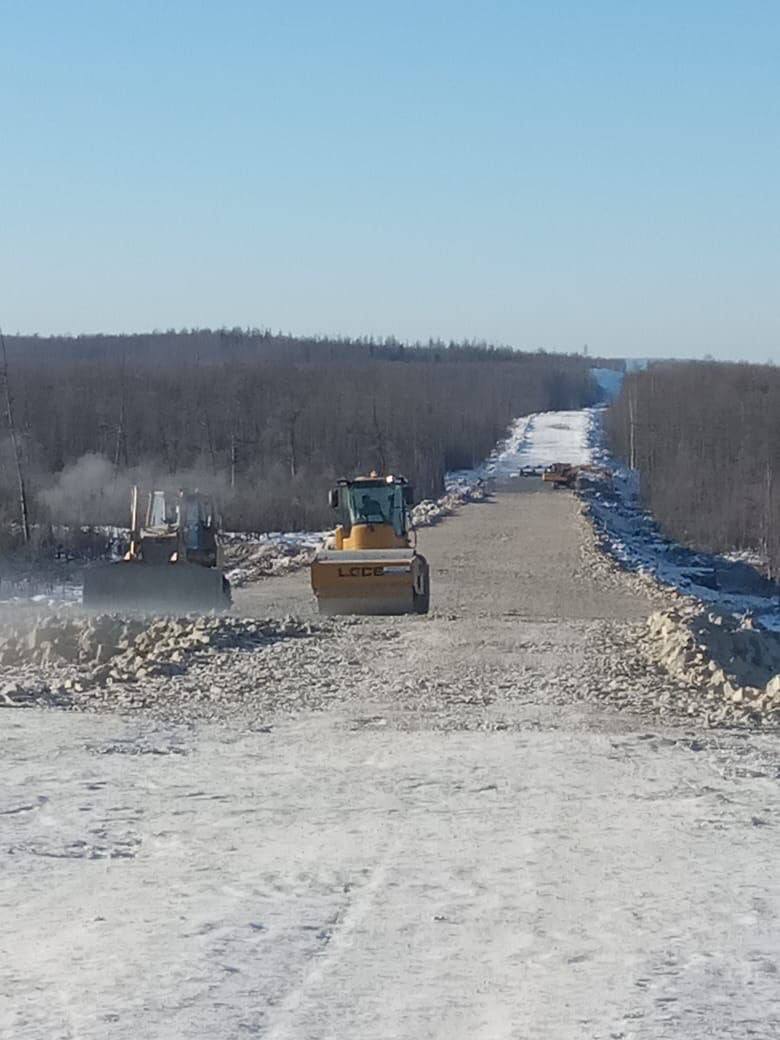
(369, 565)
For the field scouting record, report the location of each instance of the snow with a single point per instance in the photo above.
(533, 443)
(318, 878)
(250, 555)
(42, 593)
(288, 539)
(310, 882)
(557, 437)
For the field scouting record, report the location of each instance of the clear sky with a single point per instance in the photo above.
(540, 174)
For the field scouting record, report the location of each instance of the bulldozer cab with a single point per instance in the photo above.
(173, 563)
(178, 526)
(161, 511)
(373, 501)
(195, 519)
(186, 512)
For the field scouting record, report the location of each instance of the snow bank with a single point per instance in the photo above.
(431, 511)
(249, 557)
(629, 534)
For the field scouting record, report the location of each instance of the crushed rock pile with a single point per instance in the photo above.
(250, 561)
(734, 666)
(62, 655)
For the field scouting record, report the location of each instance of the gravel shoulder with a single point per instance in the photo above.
(400, 828)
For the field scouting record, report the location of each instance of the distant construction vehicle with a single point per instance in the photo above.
(173, 564)
(370, 564)
(561, 474)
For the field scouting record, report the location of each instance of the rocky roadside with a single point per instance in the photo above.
(682, 665)
(733, 667)
(177, 668)
(685, 663)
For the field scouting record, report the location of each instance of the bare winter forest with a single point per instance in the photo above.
(706, 441)
(264, 421)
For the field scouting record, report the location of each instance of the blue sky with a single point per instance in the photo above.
(538, 174)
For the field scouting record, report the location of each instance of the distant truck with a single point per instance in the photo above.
(560, 474)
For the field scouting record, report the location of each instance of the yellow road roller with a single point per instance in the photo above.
(369, 564)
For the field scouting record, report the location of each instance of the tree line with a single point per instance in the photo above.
(705, 438)
(265, 422)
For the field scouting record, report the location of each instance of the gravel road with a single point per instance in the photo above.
(407, 828)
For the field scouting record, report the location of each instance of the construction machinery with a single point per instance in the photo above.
(560, 474)
(173, 564)
(370, 564)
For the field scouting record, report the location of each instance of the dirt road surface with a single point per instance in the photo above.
(450, 839)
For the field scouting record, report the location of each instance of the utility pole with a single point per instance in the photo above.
(768, 519)
(233, 460)
(120, 449)
(9, 411)
(631, 428)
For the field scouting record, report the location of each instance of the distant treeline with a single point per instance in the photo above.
(706, 441)
(265, 421)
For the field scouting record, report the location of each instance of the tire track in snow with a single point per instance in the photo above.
(284, 1019)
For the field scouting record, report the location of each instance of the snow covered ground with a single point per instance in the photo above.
(440, 851)
(319, 880)
(40, 592)
(555, 437)
(533, 443)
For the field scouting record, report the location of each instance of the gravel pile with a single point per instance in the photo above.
(170, 664)
(685, 663)
(663, 669)
(729, 662)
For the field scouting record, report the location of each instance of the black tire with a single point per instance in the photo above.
(422, 600)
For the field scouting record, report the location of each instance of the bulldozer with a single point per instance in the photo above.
(173, 563)
(370, 564)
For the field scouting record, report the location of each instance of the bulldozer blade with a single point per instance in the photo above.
(387, 581)
(148, 588)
